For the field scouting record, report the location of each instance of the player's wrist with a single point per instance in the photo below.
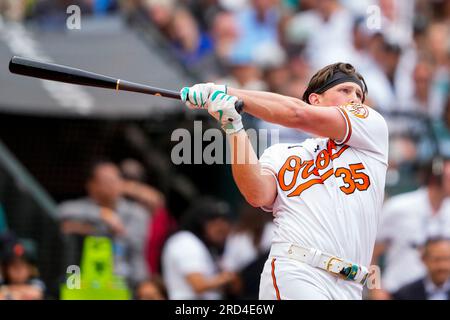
(219, 87)
(233, 127)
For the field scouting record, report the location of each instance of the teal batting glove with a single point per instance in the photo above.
(196, 97)
(221, 107)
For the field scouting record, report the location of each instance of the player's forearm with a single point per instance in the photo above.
(247, 173)
(272, 107)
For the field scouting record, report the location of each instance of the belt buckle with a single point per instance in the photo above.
(343, 273)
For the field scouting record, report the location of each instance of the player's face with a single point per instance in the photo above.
(347, 92)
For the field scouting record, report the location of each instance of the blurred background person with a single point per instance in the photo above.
(441, 130)
(161, 224)
(247, 248)
(331, 21)
(191, 45)
(160, 13)
(407, 221)
(105, 212)
(190, 258)
(436, 283)
(151, 289)
(13, 9)
(20, 276)
(258, 25)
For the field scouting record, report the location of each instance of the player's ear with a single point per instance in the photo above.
(314, 99)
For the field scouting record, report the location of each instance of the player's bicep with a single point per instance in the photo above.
(269, 165)
(270, 186)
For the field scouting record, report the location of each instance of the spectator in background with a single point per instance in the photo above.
(13, 10)
(234, 5)
(190, 256)
(366, 45)
(330, 22)
(192, 46)
(274, 64)
(300, 74)
(257, 27)
(426, 98)
(252, 236)
(151, 289)
(438, 46)
(204, 11)
(284, 77)
(224, 32)
(20, 276)
(388, 58)
(441, 129)
(407, 221)
(397, 20)
(135, 187)
(102, 7)
(161, 14)
(243, 71)
(162, 223)
(105, 212)
(436, 284)
(247, 248)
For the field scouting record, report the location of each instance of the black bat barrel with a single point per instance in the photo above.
(56, 72)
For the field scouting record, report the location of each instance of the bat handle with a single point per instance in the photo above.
(239, 106)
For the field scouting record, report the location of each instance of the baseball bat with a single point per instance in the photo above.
(50, 71)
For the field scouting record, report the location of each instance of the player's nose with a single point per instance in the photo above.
(353, 98)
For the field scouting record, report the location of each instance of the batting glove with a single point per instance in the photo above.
(221, 106)
(197, 95)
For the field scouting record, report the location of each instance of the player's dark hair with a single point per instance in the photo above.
(332, 75)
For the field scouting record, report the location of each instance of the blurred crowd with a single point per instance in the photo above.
(401, 47)
(204, 254)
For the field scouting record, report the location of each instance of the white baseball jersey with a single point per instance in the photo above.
(330, 193)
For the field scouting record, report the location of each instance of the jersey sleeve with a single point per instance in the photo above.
(271, 159)
(367, 131)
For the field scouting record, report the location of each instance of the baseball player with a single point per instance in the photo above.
(325, 192)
